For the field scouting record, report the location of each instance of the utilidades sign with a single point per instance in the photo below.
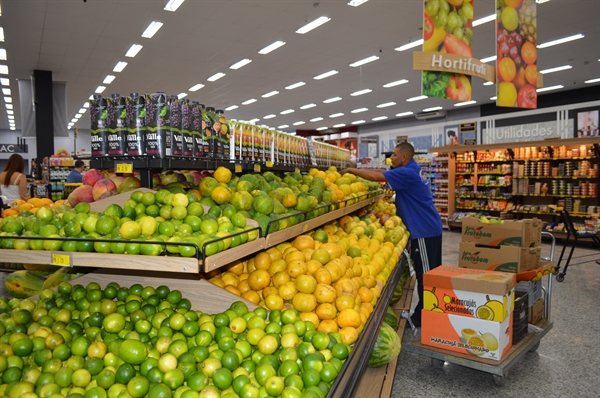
(526, 132)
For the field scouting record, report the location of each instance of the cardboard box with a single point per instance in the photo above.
(546, 267)
(504, 258)
(522, 233)
(469, 292)
(533, 290)
(536, 311)
(470, 336)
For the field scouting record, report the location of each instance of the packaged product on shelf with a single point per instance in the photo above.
(157, 128)
(235, 130)
(175, 143)
(255, 144)
(207, 133)
(216, 146)
(186, 129)
(118, 126)
(223, 133)
(197, 129)
(99, 125)
(246, 141)
(136, 124)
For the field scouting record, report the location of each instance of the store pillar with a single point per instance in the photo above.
(44, 121)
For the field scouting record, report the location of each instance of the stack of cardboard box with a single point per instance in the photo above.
(468, 311)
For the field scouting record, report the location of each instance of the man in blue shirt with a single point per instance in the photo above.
(414, 204)
(75, 174)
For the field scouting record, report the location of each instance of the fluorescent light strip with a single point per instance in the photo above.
(330, 100)
(152, 29)
(596, 80)
(409, 45)
(359, 110)
(356, 3)
(271, 116)
(557, 69)
(287, 112)
(1, 33)
(339, 125)
(78, 116)
(173, 5)
(336, 115)
(396, 83)
(418, 98)
(386, 104)
(326, 74)
(232, 107)
(91, 97)
(308, 106)
(86, 104)
(8, 106)
(250, 101)
(317, 119)
(432, 109)
(133, 50)
(283, 126)
(6, 91)
(465, 103)
(182, 95)
(488, 83)
(74, 120)
(3, 70)
(379, 118)
(298, 123)
(196, 87)
(272, 47)
(82, 110)
(494, 98)
(483, 20)
(295, 85)
(358, 122)
(241, 63)
(541, 1)
(322, 128)
(120, 66)
(561, 41)
(10, 112)
(8, 100)
(109, 79)
(5, 81)
(216, 77)
(488, 59)
(100, 89)
(270, 94)
(541, 90)
(2, 54)
(313, 25)
(361, 92)
(364, 61)
(254, 120)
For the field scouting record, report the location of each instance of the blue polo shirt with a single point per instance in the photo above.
(414, 202)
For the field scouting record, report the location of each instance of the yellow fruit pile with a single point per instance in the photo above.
(32, 206)
(333, 276)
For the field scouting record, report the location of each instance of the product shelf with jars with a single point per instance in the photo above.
(515, 180)
(441, 186)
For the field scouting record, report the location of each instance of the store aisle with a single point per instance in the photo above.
(565, 365)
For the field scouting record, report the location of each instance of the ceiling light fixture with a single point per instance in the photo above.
(286, 112)
(494, 98)
(11, 116)
(2, 54)
(152, 29)
(78, 116)
(364, 61)
(298, 123)
(196, 87)
(465, 103)
(413, 44)
(596, 80)
(557, 69)
(271, 116)
(272, 47)
(82, 110)
(403, 114)
(326, 74)
(5, 81)
(541, 90)
(1, 33)
(100, 89)
(488, 59)
(173, 5)
(6, 91)
(322, 128)
(488, 83)
(541, 1)
(86, 104)
(313, 25)
(8, 100)
(379, 118)
(295, 85)
(283, 126)
(109, 79)
(133, 50)
(417, 98)
(386, 104)
(10, 112)
(120, 66)
(216, 77)
(433, 108)
(317, 119)
(270, 94)
(358, 122)
(339, 125)
(13, 128)
(359, 110)
(336, 115)
(74, 120)
(254, 120)
(91, 97)
(182, 95)
(3, 70)
(361, 92)
(232, 107)
(561, 41)
(396, 83)
(241, 63)
(250, 101)
(356, 3)
(334, 99)
(483, 20)
(8, 106)
(308, 106)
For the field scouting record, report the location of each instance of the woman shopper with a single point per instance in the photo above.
(414, 204)
(13, 183)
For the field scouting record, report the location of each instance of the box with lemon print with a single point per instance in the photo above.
(471, 293)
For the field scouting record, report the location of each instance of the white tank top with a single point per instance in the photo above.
(12, 191)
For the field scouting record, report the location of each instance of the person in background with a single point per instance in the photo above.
(75, 174)
(13, 183)
(414, 204)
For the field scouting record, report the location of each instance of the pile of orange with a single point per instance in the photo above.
(32, 206)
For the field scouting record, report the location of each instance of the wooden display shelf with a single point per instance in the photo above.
(553, 177)
(504, 145)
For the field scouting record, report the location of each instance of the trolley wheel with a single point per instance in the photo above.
(437, 363)
(535, 347)
(560, 277)
(556, 271)
(500, 381)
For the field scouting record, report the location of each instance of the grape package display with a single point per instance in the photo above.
(157, 110)
(98, 125)
(118, 126)
(186, 128)
(197, 130)
(176, 141)
(136, 123)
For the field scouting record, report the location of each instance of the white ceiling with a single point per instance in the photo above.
(81, 42)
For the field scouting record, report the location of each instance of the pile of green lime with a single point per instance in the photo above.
(88, 342)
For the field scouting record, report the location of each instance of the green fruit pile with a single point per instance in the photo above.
(145, 342)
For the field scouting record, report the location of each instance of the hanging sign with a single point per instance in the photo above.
(516, 54)
(11, 148)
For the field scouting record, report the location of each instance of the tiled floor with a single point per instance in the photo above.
(565, 365)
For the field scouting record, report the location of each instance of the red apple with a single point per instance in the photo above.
(527, 97)
(459, 88)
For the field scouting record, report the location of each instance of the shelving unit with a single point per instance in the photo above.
(441, 187)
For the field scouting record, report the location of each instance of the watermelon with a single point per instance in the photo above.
(387, 347)
(391, 318)
(397, 293)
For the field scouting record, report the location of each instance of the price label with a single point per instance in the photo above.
(305, 228)
(41, 190)
(60, 259)
(123, 167)
(238, 168)
(269, 163)
(257, 168)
